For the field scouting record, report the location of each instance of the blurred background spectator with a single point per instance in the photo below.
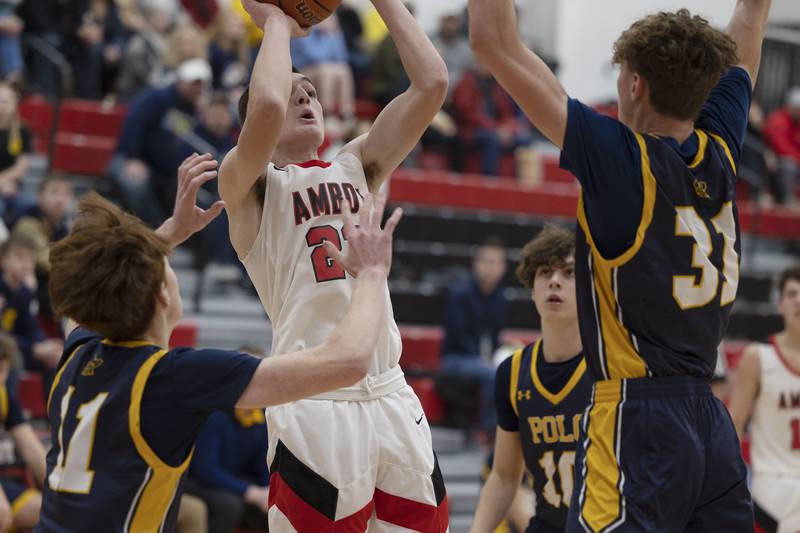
(759, 164)
(475, 314)
(93, 43)
(11, 26)
(229, 51)
(488, 120)
(15, 147)
(782, 132)
(454, 48)
(143, 170)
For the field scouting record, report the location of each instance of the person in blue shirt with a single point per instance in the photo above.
(148, 153)
(475, 315)
(124, 410)
(229, 470)
(18, 307)
(656, 261)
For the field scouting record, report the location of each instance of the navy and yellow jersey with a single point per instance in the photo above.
(18, 308)
(544, 402)
(11, 413)
(657, 252)
(124, 418)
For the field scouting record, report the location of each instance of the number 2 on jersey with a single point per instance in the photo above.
(325, 268)
(687, 292)
(72, 474)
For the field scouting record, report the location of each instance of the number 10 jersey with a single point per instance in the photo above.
(304, 292)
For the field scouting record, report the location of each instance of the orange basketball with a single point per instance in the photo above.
(306, 12)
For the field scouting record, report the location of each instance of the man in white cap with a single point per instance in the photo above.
(148, 154)
(782, 132)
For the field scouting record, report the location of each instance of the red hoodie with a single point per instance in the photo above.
(783, 134)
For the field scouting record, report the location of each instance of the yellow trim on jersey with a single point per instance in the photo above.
(702, 140)
(621, 357)
(58, 374)
(22, 500)
(648, 205)
(3, 403)
(127, 344)
(724, 145)
(555, 399)
(602, 501)
(159, 492)
(516, 361)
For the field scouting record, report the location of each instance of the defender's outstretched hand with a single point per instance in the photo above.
(369, 246)
(187, 217)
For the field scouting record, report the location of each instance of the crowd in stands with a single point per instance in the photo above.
(180, 67)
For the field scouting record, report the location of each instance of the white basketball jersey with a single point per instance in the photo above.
(775, 423)
(304, 292)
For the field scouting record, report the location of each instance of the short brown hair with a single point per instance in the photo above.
(790, 274)
(107, 273)
(681, 56)
(551, 247)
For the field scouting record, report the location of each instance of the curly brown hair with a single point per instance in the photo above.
(551, 247)
(680, 55)
(107, 273)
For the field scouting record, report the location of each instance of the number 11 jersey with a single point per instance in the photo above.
(304, 292)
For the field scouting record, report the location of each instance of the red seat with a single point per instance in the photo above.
(425, 389)
(91, 118)
(86, 155)
(421, 347)
(367, 109)
(31, 394)
(37, 114)
(184, 334)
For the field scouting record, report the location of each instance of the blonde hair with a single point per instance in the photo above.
(14, 146)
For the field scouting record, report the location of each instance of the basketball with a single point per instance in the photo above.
(306, 12)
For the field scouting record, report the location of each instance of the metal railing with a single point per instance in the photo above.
(780, 67)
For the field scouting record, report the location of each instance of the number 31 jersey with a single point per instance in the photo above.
(304, 292)
(662, 306)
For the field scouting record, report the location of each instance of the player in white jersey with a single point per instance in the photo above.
(767, 394)
(359, 458)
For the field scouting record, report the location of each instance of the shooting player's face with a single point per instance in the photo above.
(304, 121)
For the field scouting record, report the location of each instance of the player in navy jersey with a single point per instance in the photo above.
(540, 394)
(124, 410)
(657, 259)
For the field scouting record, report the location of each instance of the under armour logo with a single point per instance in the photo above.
(523, 395)
(701, 189)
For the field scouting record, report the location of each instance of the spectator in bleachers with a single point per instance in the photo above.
(322, 56)
(353, 30)
(213, 134)
(15, 145)
(147, 158)
(18, 257)
(19, 504)
(488, 120)
(229, 51)
(475, 315)
(47, 221)
(758, 163)
(11, 26)
(454, 48)
(782, 132)
(42, 21)
(93, 44)
(144, 57)
(388, 78)
(186, 42)
(229, 468)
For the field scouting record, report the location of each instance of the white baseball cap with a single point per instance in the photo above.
(194, 70)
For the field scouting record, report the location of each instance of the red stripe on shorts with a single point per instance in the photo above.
(305, 519)
(410, 514)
